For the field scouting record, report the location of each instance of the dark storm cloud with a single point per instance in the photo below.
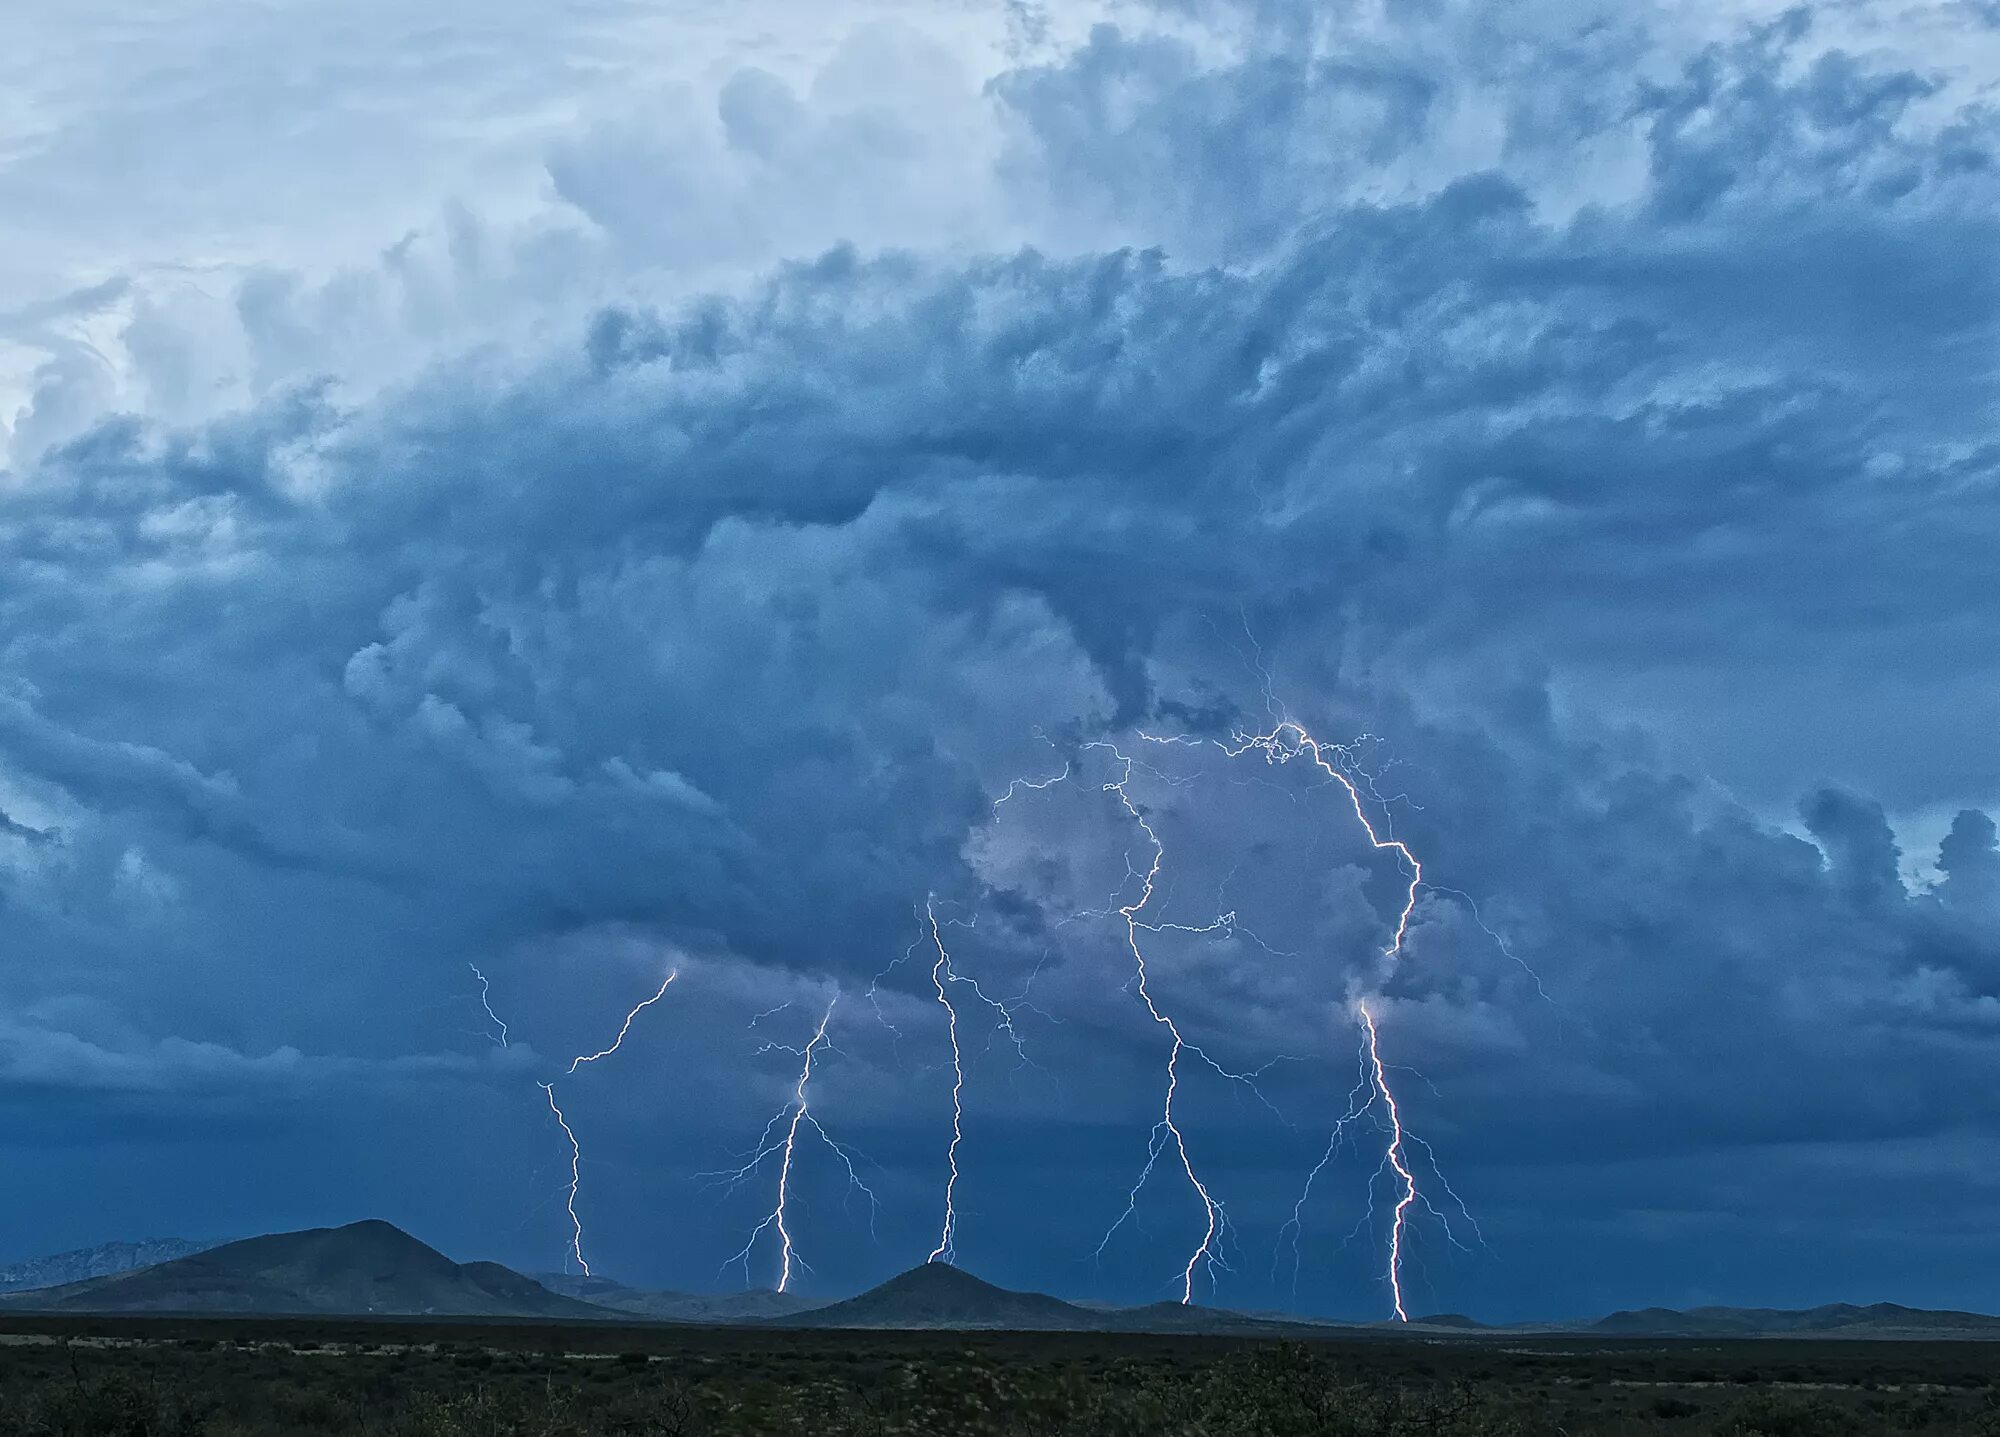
(708, 635)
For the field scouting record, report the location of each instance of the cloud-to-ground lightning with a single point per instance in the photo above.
(1286, 741)
(1142, 904)
(575, 1148)
(945, 976)
(946, 1251)
(1167, 1132)
(1283, 742)
(1396, 1159)
(1206, 1254)
(575, 1179)
(796, 1114)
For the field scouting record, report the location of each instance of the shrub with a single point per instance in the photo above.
(1771, 1415)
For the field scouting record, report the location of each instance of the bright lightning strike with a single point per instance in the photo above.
(941, 973)
(795, 1115)
(944, 974)
(575, 1179)
(1286, 741)
(617, 1042)
(1289, 740)
(576, 1149)
(1396, 1160)
(1206, 1254)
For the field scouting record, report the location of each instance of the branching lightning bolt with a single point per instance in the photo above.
(944, 975)
(1284, 742)
(575, 1148)
(1289, 740)
(1206, 1254)
(796, 1114)
(1358, 1105)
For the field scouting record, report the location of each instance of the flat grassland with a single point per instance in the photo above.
(172, 1377)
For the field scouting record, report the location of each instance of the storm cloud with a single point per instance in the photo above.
(1597, 413)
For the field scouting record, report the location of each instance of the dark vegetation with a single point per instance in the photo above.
(165, 1377)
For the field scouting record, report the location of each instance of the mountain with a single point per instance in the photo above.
(365, 1267)
(101, 1261)
(943, 1297)
(375, 1268)
(940, 1295)
(722, 1309)
(1172, 1317)
(1839, 1319)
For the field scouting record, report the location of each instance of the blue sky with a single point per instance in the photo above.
(589, 495)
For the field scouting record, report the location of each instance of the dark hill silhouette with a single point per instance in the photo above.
(1880, 1319)
(942, 1296)
(723, 1309)
(375, 1268)
(365, 1267)
(1171, 1317)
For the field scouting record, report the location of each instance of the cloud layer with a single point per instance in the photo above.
(1598, 414)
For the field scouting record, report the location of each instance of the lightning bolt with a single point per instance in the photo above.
(941, 973)
(486, 1002)
(575, 1179)
(1286, 741)
(1358, 1106)
(944, 974)
(1395, 1159)
(1289, 740)
(1033, 785)
(1167, 1133)
(619, 1041)
(1205, 1254)
(576, 1149)
(795, 1115)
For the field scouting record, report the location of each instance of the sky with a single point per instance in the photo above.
(513, 502)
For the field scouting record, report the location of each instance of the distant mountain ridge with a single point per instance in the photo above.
(364, 1268)
(726, 1308)
(105, 1260)
(375, 1268)
(1878, 1319)
(939, 1296)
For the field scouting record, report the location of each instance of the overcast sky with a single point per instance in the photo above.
(587, 491)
